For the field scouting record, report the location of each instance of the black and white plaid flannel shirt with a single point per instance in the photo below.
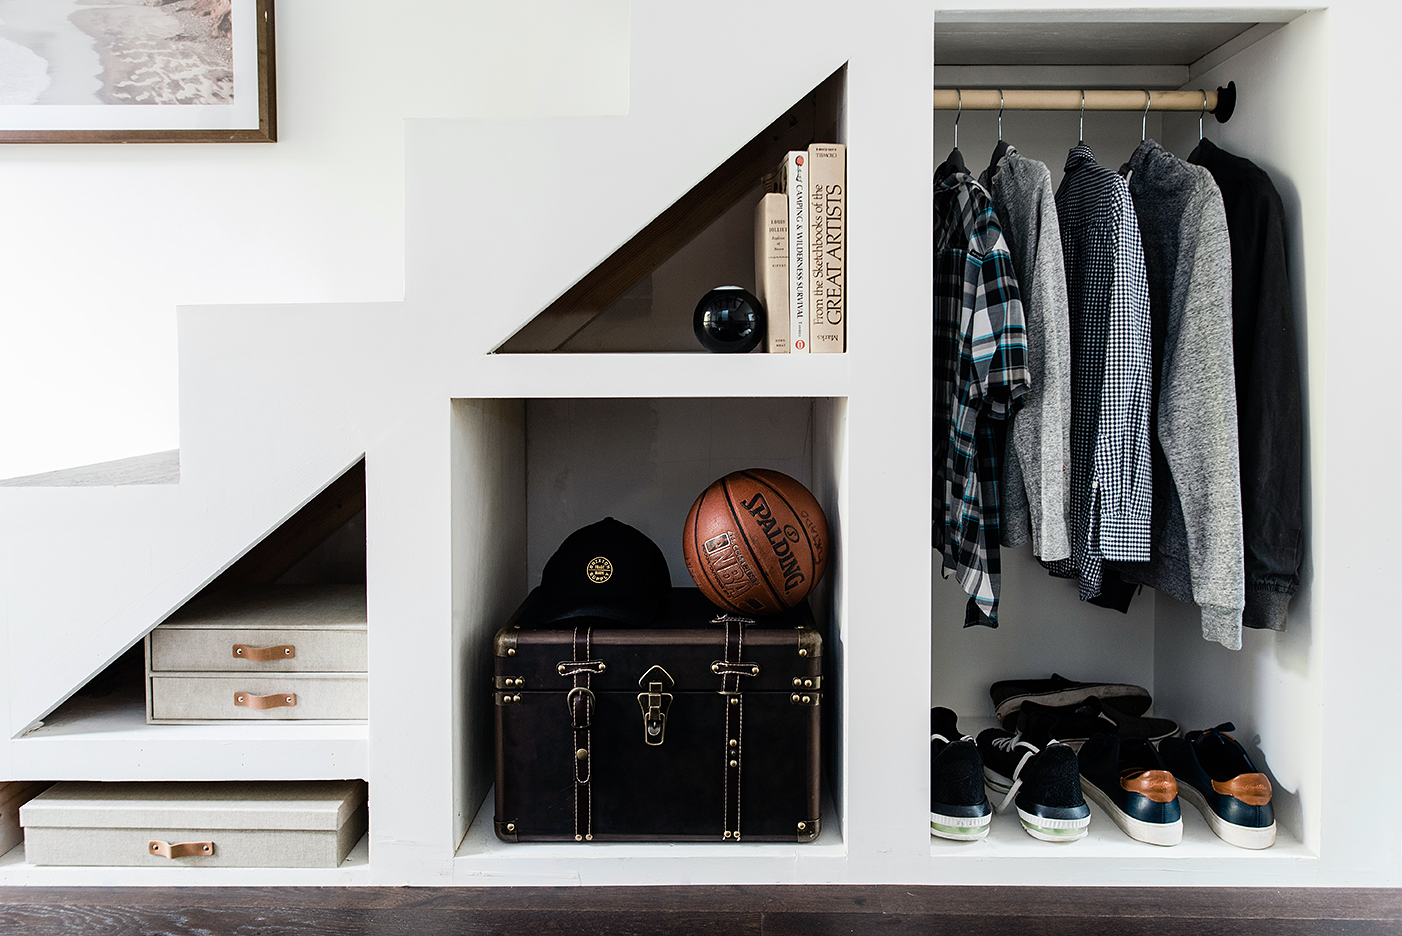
(980, 375)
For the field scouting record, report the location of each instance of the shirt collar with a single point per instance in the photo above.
(1080, 155)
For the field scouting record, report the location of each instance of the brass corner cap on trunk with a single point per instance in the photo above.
(505, 641)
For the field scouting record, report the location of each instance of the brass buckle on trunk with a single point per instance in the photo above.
(654, 703)
(588, 707)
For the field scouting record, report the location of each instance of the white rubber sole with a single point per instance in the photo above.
(1229, 832)
(960, 828)
(1155, 833)
(1054, 830)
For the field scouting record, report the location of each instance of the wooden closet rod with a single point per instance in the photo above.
(1220, 103)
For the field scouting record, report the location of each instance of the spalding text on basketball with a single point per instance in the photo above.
(778, 540)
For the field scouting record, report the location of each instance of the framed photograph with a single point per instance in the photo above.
(137, 71)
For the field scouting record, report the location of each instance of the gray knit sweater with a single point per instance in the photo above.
(1197, 533)
(1036, 465)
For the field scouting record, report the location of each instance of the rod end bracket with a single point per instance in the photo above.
(1226, 102)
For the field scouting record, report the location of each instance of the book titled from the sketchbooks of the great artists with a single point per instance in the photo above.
(827, 247)
(772, 269)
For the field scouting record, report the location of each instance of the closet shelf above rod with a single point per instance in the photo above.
(1220, 103)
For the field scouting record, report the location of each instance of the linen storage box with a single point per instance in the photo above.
(270, 653)
(698, 727)
(13, 795)
(283, 824)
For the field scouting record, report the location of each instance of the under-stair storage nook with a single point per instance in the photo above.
(528, 384)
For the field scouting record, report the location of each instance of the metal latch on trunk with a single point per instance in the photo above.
(654, 703)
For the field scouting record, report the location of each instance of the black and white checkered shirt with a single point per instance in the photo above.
(1111, 372)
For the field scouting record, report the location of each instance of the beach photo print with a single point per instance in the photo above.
(137, 71)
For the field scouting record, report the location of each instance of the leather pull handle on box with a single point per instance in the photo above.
(181, 849)
(264, 654)
(276, 700)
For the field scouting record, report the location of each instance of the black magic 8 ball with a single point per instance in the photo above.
(729, 319)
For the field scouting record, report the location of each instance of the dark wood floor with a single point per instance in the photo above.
(684, 911)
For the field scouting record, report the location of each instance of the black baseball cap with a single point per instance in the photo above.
(605, 570)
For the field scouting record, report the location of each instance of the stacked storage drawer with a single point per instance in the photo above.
(275, 652)
(288, 824)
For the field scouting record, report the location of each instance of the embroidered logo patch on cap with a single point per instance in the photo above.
(599, 570)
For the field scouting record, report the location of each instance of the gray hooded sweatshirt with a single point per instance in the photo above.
(1196, 531)
(1036, 478)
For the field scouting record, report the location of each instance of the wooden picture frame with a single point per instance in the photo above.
(254, 72)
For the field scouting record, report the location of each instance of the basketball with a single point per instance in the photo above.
(756, 542)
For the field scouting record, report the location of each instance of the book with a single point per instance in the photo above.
(795, 186)
(772, 269)
(827, 248)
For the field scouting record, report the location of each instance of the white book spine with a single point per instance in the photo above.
(772, 269)
(827, 248)
(796, 188)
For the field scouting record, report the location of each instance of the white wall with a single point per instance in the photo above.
(1271, 690)
(102, 242)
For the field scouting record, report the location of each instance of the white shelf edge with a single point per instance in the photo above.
(355, 870)
(509, 376)
(115, 743)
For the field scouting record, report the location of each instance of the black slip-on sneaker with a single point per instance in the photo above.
(959, 808)
(1127, 778)
(1009, 694)
(1039, 775)
(1215, 775)
(1073, 724)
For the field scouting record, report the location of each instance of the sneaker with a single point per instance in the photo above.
(959, 809)
(1038, 774)
(1073, 724)
(1127, 778)
(1216, 776)
(1009, 694)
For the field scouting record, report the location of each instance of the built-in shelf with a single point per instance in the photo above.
(482, 858)
(107, 738)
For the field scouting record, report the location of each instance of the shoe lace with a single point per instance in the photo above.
(1008, 744)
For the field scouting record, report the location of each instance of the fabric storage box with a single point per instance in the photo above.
(286, 824)
(698, 727)
(13, 795)
(276, 652)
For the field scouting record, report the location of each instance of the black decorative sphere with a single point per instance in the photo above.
(729, 319)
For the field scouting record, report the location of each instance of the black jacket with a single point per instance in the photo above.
(1270, 421)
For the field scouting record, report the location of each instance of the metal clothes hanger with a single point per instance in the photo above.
(1144, 120)
(1000, 115)
(960, 113)
(1202, 114)
(1083, 116)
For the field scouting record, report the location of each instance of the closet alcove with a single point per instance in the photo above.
(1271, 688)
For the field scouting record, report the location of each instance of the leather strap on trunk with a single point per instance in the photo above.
(730, 670)
(581, 705)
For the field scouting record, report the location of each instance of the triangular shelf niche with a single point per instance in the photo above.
(323, 543)
(641, 297)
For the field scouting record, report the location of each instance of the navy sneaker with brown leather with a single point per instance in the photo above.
(1215, 774)
(1127, 778)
